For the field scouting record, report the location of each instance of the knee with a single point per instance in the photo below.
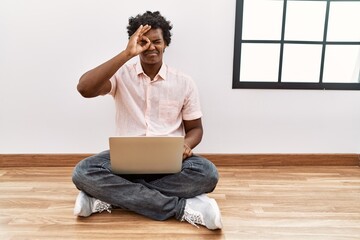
(213, 176)
(78, 174)
(88, 169)
(209, 173)
(81, 172)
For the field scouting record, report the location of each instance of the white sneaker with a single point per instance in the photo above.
(202, 210)
(86, 205)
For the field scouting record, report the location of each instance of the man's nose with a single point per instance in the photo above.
(152, 46)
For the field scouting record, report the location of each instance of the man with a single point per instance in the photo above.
(151, 99)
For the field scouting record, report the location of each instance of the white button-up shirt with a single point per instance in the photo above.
(157, 107)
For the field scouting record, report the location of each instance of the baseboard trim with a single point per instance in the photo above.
(70, 160)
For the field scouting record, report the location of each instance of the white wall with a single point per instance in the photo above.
(45, 46)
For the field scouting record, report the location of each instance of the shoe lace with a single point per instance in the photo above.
(101, 206)
(192, 217)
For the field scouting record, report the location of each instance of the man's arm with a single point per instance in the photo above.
(193, 136)
(96, 81)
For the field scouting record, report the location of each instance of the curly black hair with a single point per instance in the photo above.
(155, 20)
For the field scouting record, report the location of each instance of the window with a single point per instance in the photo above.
(302, 44)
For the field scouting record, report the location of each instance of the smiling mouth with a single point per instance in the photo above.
(151, 53)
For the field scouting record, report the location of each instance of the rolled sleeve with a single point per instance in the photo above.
(192, 107)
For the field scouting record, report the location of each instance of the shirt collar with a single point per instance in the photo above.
(162, 72)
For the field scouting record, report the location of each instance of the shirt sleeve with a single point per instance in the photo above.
(192, 108)
(113, 85)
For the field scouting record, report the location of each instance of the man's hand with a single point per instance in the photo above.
(138, 42)
(187, 151)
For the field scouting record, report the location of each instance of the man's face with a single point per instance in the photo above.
(154, 54)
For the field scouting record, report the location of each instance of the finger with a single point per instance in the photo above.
(186, 155)
(138, 31)
(136, 35)
(144, 30)
(190, 154)
(144, 42)
(187, 151)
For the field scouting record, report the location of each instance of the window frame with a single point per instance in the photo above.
(238, 41)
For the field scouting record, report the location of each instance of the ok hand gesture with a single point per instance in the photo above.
(138, 42)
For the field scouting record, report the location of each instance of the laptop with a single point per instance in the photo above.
(146, 155)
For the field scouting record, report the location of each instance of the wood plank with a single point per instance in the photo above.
(294, 202)
(284, 159)
(68, 160)
(40, 160)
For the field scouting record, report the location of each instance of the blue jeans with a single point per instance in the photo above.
(155, 196)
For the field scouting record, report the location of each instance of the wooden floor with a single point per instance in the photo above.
(256, 203)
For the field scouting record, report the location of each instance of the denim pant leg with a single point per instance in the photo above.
(198, 176)
(93, 175)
